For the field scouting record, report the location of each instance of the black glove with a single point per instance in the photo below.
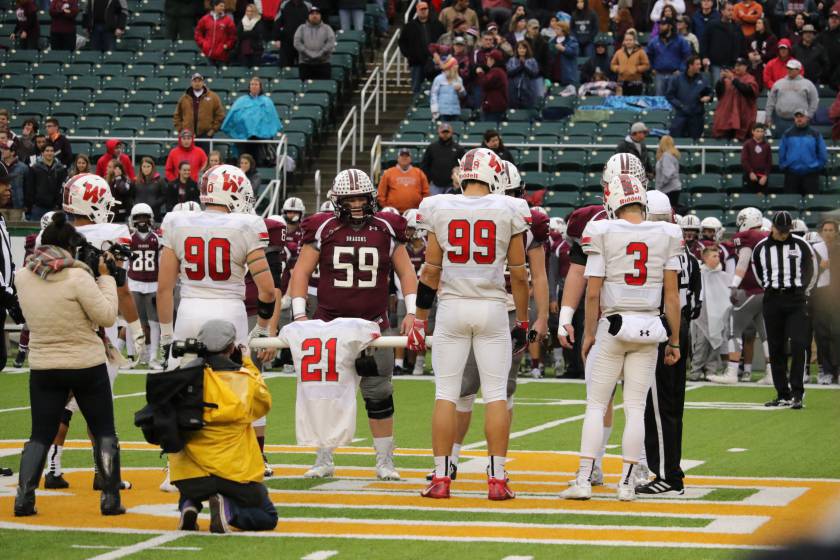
(520, 336)
(12, 307)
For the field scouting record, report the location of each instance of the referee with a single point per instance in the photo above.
(785, 266)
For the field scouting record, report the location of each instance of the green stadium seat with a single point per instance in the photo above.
(587, 128)
(589, 199)
(320, 86)
(561, 199)
(536, 180)
(708, 183)
(732, 183)
(791, 202)
(597, 160)
(709, 201)
(739, 201)
(74, 108)
(822, 202)
(529, 160)
(569, 181)
(573, 159)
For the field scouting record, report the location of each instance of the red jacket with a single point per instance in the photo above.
(494, 90)
(102, 162)
(775, 70)
(834, 115)
(194, 155)
(216, 37)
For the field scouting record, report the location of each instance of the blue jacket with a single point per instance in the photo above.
(252, 117)
(569, 73)
(684, 93)
(802, 151)
(444, 99)
(668, 57)
(523, 83)
(699, 23)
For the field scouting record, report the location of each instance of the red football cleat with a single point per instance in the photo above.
(437, 488)
(498, 489)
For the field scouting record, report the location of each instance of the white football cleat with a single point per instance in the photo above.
(728, 378)
(597, 477)
(324, 466)
(582, 490)
(385, 465)
(418, 367)
(536, 373)
(626, 492)
(167, 486)
(641, 475)
(155, 365)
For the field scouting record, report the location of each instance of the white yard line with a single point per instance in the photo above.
(320, 555)
(154, 542)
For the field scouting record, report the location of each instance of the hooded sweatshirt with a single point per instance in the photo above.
(102, 162)
(193, 154)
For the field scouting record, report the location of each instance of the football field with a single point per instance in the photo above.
(756, 478)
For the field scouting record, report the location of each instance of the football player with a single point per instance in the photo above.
(690, 225)
(142, 279)
(416, 248)
(631, 262)
(470, 236)
(292, 215)
(87, 198)
(355, 249)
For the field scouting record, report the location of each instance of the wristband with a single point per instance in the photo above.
(677, 346)
(566, 314)
(166, 329)
(736, 281)
(265, 309)
(298, 307)
(411, 304)
(522, 325)
(425, 296)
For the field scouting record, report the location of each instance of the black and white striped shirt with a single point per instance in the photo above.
(784, 265)
(690, 284)
(7, 266)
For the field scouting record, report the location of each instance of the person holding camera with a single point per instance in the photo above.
(66, 304)
(222, 462)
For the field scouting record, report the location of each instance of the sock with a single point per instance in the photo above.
(55, 459)
(154, 336)
(261, 441)
(732, 367)
(747, 368)
(585, 469)
(627, 471)
(497, 467)
(119, 344)
(325, 456)
(383, 444)
(399, 362)
(599, 459)
(456, 453)
(441, 465)
(643, 456)
(535, 363)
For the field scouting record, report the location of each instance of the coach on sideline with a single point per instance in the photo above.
(65, 307)
(785, 266)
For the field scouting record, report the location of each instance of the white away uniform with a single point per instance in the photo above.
(474, 234)
(325, 355)
(632, 259)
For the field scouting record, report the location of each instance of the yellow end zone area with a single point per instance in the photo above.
(776, 511)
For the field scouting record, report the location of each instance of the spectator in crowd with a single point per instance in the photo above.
(755, 68)
(688, 92)
(459, 29)
(447, 92)
(763, 41)
(629, 64)
(38, 149)
(293, 14)
(538, 44)
(623, 23)
(16, 169)
(199, 110)
(497, 11)
(664, 9)
(27, 31)
(458, 9)
(402, 186)
(499, 40)
(802, 155)
(26, 140)
(250, 33)
(120, 189)
(668, 170)
(634, 143)
(584, 26)
(776, 68)
(150, 187)
(182, 188)
(737, 93)
(516, 31)
(215, 34)
(494, 87)
(351, 13)
(214, 158)
(812, 55)
(795, 30)
(180, 19)
(114, 150)
(63, 150)
(834, 115)
(186, 150)
(523, 78)
(248, 165)
(63, 24)
(787, 10)
(315, 43)
(254, 117)
(565, 49)
(439, 159)
(600, 60)
(723, 43)
(788, 95)
(667, 54)
(756, 160)
(829, 38)
(42, 188)
(701, 18)
(684, 31)
(747, 13)
(81, 164)
(105, 21)
(415, 39)
(599, 85)
(493, 141)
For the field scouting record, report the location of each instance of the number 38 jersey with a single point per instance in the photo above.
(474, 233)
(632, 259)
(325, 356)
(212, 248)
(354, 264)
(143, 267)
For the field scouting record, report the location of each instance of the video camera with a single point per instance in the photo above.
(90, 255)
(181, 348)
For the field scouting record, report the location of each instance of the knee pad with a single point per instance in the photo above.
(511, 387)
(380, 409)
(66, 416)
(465, 404)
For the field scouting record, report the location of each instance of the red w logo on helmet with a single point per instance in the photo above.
(230, 183)
(93, 193)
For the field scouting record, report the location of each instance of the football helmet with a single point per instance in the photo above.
(690, 225)
(294, 206)
(327, 206)
(766, 224)
(713, 224)
(659, 207)
(226, 185)
(141, 217)
(749, 218)
(624, 164)
(622, 191)
(142, 209)
(557, 224)
(389, 210)
(410, 216)
(799, 227)
(46, 219)
(353, 183)
(484, 166)
(189, 206)
(89, 195)
(813, 237)
(512, 180)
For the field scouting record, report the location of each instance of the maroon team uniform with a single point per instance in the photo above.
(144, 264)
(275, 255)
(292, 250)
(749, 238)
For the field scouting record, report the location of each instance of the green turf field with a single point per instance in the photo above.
(742, 460)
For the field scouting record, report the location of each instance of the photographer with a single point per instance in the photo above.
(222, 462)
(65, 307)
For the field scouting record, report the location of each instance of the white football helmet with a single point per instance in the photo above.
(90, 196)
(294, 204)
(327, 206)
(749, 218)
(621, 191)
(188, 206)
(410, 216)
(482, 165)
(690, 222)
(353, 183)
(711, 223)
(46, 220)
(658, 207)
(799, 227)
(766, 225)
(557, 224)
(511, 179)
(813, 237)
(624, 164)
(389, 210)
(226, 186)
(142, 209)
